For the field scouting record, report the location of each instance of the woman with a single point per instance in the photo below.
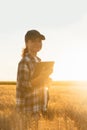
(30, 91)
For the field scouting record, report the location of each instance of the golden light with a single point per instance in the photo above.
(71, 66)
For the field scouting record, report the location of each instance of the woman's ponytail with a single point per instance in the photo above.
(25, 50)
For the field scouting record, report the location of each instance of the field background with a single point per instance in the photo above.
(67, 109)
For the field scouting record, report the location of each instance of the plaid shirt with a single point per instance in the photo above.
(28, 97)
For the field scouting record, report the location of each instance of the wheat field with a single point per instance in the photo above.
(67, 109)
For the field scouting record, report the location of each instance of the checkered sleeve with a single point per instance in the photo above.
(23, 76)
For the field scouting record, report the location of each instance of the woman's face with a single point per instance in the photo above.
(34, 46)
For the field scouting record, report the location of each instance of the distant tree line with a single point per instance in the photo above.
(7, 82)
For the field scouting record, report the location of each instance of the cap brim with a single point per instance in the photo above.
(42, 37)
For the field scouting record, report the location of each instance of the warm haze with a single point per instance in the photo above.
(65, 28)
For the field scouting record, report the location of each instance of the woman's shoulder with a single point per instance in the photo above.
(24, 60)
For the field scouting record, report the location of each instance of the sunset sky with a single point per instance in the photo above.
(64, 24)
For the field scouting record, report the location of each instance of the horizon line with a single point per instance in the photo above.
(54, 82)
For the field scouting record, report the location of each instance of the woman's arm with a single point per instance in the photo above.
(42, 78)
(23, 76)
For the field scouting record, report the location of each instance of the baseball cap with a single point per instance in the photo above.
(33, 35)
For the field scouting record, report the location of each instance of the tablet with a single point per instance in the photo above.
(46, 65)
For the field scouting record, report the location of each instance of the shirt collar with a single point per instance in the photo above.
(31, 57)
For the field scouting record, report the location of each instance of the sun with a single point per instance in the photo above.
(70, 66)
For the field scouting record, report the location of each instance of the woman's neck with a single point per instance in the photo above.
(32, 54)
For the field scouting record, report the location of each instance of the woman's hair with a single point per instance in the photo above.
(24, 51)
